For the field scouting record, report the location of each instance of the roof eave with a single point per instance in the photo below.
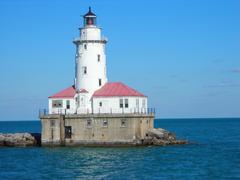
(99, 96)
(63, 97)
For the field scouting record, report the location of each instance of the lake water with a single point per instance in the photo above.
(215, 156)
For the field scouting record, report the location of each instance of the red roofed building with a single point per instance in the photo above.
(116, 97)
(63, 101)
(113, 97)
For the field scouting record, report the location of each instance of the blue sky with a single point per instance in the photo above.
(185, 55)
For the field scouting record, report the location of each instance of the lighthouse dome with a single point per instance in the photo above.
(90, 13)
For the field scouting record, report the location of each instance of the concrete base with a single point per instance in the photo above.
(93, 144)
(95, 129)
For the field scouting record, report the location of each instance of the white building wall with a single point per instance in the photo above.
(112, 105)
(90, 33)
(83, 103)
(63, 109)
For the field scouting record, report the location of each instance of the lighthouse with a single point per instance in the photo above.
(94, 111)
(91, 92)
(90, 64)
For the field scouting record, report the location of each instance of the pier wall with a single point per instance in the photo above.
(95, 129)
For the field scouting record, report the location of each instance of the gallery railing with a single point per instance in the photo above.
(147, 111)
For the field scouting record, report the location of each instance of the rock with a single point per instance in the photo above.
(18, 140)
(181, 142)
(158, 133)
(161, 137)
(147, 141)
(157, 137)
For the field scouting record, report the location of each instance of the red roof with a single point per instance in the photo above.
(83, 91)
(66, 93)
(116, 89)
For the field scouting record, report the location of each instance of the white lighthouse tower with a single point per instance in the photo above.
(90, 67)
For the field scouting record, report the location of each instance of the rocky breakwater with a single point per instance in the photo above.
(20, 139)
(157, 137)
(161, 137)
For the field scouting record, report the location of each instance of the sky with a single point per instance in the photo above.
(183, 54)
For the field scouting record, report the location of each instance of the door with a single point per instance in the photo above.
(68, 132)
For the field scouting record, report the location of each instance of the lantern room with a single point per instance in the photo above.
(89, 18)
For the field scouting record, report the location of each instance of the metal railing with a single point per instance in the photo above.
(146, 111)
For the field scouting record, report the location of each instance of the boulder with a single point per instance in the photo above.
(17, 140)
(161, 137)
(161, 134)
(158, 133)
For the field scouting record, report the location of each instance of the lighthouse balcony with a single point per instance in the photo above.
(103, 40)
(129, 111)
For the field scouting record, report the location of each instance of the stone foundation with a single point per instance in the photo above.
(95, 129)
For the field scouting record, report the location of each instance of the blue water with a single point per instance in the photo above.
(216, 156)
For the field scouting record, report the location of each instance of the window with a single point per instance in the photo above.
(121, 103)
(84, 69)
(126, 103)
(105, 123)
(68, 104)
(123, 123)
(52, 123)
(137, 103)
(99, 82)
(143, 103)
(98, 57)
(85, 46)
(89, 123)
(57, 103)
(100, 104)
(68, 132)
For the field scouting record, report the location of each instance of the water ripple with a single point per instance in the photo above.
(216, 156)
